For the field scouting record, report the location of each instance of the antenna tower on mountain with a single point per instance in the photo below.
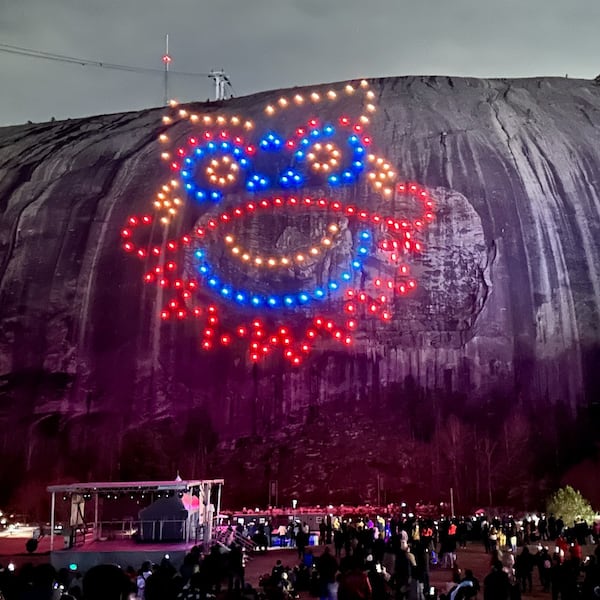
(222, 82)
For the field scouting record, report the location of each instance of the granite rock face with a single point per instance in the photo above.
(507, 304)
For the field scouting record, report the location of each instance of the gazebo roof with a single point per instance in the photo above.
(131, 486)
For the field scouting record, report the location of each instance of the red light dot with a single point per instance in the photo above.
(344, 121)
(133, 220)
(366, 140)
(181, 151)
(296, 361)
(290, 144)
(250, 150)
(300, 131)
(329, 325)
(358, 128)
(193, 141)
(197, 312)
(173, 304)
(171, 245)
(289, 353)
(225, 339)
(163, 283)
(212, 309)
(181, 314)
(141, 253)
(348, 341)
(170, 265)
(254, 357)
(351, 324)
(241, 331)
(149, 277)
(206, 345)
(164, 315)
(125, 232)
(207, 135)
(311, 333)
(128, 247)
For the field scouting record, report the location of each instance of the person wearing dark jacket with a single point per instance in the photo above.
(496, 585)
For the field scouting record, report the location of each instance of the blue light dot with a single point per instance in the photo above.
(199, 152)
(203, 270)
(346, 276)
(365, 235)
(225, 291)
(319, 293)
(288, 300)
(210, 146)
(356, 264)
(272, 301)
(303, 297)
(185, 173)
(188, 161)
(255, 301)
(200, 195)
(362, 250)
(212, 282)
(188, 186)
(199, 254)
(333, 285)
(240, 297)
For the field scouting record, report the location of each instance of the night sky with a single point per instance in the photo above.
(268, 44)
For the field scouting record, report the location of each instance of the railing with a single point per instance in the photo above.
(226, 535)
(156, 530)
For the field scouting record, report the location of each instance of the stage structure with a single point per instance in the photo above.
(171, 517)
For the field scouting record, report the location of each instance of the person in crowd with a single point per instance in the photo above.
(496, 585)
(524, 570)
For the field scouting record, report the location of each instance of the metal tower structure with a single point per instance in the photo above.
(222, 82)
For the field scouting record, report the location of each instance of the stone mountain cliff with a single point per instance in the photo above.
(507, 309)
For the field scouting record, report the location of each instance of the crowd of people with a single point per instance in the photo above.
(359, 559)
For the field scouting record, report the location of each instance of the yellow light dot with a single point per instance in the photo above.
(164, 220)
(336, 153)
(177, 201)
(221, 120)
(364, 83)
(183, 113)
(167, 120)
(229, 239)
(214, 163)
(235, 250)
(391, 174)
(285, 261)
(382, 175)
(371, 157)
(167, 203)
(248, 125)
(172, 103)
(387, 191)
(329, 146)
(364, 119)
(157, 204)
(269, 110)
(333, 162)
(386, 166)
(271, 262)
(333, 228)
(300, 257)
(325, 167)
(226, 159)
(331, 95)
(318, 146)
(221, 180)
(245, 257)
(235, 120)
(234, 167)
(207, 119)
(230, 177)
(163, 137)
(213, 178)
(326, 242)
(349, 89)
(209, 170)
(370, 94)
(315, 97)
(311, 156)
(193, 118)
(378, 185)
(165, 188)
(298, 99)
(160, 195)
(172, 211)
(314, 251)
(379, 161)
(258, 260)
(283, 102)
(372, 175)
(371, 107)
(316, 166)
(174, 183)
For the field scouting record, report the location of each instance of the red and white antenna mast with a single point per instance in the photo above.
(166, 61)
